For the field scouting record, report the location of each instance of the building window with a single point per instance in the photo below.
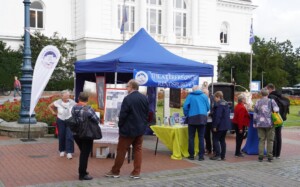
(154, 12)
(36, 15)
(130, 13)
(224, 33)
(180, 13)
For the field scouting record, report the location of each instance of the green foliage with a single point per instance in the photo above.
(65, 67)
(60, 85)
(277, 61)
(10, 65)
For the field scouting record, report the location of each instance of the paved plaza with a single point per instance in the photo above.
(38, 164)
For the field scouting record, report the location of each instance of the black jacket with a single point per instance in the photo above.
(133, 115)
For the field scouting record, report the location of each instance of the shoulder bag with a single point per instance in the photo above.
(276, 118)
(89, 129)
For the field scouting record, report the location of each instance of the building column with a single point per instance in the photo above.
(171, 38)
(194, 22)
(143, 16)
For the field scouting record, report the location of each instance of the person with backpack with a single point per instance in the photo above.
(283, 104)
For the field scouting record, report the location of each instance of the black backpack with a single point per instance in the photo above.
(283, 104)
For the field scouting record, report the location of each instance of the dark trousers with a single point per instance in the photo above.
(238, 139)
(123, 146)
(85, 146)
(219, 143)
(207, 137)
(65, 137)
(277, 142)
(192, 131)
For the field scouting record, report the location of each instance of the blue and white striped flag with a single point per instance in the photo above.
(252, 39)
(124, 19)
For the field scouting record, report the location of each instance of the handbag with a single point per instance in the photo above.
(276, 118)
(89, 129)
(73, 122)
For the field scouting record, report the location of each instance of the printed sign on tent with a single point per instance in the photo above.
(166, 80)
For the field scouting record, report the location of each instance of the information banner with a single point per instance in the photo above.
(166, 80)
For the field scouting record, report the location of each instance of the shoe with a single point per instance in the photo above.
(215, 158)
(191, 158)
(62, 154)
(278, 157)
(270, 159)
(86, 177)
(110, 174)
(69, 156)
(239, 155)
(260, 159)
(223, 159)
(201, 159)
(135, 176)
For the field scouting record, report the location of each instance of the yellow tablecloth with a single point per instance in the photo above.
(175, 139)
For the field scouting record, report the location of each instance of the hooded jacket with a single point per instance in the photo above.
(195, 107)
(221, 116)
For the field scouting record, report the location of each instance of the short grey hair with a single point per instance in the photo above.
(64, 92)
(264, 92)
(241, 97)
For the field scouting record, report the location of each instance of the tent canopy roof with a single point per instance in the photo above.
(142, 52)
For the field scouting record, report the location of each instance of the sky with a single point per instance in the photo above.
(278, 19)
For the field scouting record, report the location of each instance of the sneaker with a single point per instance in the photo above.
(135, 176)
(191, 158)
(239, 155)
(200, 158)
(86, 177)
(215, 158)
(278, 157)
(223, 159)
(110, 174)
(69, 156)
(62, 154)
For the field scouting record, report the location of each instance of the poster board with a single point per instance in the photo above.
(175, 98)
(100, 83)
(113, 101)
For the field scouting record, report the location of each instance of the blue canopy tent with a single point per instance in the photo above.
(141, 52)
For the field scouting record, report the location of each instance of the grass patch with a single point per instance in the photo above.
(293, 119)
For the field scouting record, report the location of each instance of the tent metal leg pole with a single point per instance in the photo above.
(116, 78)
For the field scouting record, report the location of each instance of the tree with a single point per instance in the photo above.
(63, 73)
(10, 65)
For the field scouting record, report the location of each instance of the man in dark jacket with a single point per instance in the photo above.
(220, 124)
(273, 94)
(132, 124)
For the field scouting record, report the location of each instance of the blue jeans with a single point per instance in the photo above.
(192, 131)
(17, 90)
(219, 143)
(65, 137)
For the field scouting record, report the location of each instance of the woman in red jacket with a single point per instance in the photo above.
(240, 120)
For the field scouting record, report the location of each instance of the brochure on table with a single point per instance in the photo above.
(113, 101)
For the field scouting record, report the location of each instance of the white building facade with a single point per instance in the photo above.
(196, 29)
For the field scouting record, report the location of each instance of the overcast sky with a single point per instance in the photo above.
(277, 19)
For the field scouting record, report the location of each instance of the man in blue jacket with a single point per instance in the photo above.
(220, 124)
(132, 125)
(195, 108)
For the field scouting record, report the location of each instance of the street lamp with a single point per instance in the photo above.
(26, 79)
(231, 73)
(262, 79)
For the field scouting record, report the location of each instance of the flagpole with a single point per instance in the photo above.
(251, 41)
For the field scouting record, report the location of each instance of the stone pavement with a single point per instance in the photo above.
(38, 164)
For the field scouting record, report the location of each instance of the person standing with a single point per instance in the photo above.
(133, 120)
(275, 95)
(195, 108)
(220, 124)
(241, 120)
(62, 108)
(263, 122)
(17, 87)
(85, 145)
